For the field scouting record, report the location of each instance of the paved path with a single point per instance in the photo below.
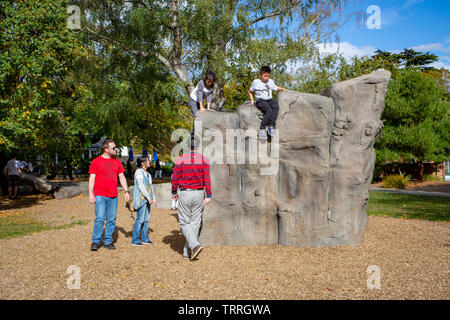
(413, 192)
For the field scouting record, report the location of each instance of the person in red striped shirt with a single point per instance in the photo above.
(190, 182)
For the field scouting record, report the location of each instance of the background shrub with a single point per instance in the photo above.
(397, 181)
(432, 177)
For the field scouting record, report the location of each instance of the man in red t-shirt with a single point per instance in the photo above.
(103, 193)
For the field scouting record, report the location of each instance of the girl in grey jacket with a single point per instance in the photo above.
(203, 91)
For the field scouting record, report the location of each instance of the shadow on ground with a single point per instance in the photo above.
(176, 239)
(23, 201)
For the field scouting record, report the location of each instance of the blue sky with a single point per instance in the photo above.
(423, 25)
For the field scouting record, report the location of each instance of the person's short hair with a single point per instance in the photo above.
(106, 143)
(265, 69)
(140, 160)
(194, 142)
(210, 76)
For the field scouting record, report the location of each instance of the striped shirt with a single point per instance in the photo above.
(191, 171)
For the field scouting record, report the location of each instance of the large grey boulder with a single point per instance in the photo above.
(71, 189)
(358, 105)
(220, 224)
(309, 185)
(305, 123)
(163, 194)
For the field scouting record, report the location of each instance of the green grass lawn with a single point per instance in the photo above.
(409, 206)
(11, 227)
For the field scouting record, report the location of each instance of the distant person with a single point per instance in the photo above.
(13, 173)
(143, 189)
(22, 164)
(158, 171)
(174, 206)
(151, 170)
(263, 88)
(37, 170)
(67, 171)
(190, 182)
(26, 169)
(103, 193)
(129, 169)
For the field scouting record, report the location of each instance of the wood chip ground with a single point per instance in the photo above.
(412, 256)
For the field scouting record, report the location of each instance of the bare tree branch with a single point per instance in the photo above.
(263, 17)
(173, 66)
(118, 43)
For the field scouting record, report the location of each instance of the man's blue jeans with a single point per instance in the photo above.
(105, 209)
(140, 229)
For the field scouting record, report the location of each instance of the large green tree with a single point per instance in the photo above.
(230, 37)
(416, 121)
(408, 58)
(324, 70)
(42, 110)
(137, 101)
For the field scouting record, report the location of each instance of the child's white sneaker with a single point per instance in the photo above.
(262, 134)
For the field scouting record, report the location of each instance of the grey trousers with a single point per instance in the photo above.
(190, 210)
(195, 106)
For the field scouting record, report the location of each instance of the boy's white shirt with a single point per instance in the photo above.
(263, 90)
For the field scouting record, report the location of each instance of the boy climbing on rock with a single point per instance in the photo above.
(263, 88)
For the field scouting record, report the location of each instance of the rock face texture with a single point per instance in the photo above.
(309, 185)
(163, 194)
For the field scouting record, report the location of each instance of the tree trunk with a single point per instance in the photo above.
(37, 183)
(218, 99)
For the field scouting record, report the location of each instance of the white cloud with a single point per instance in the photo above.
(440, 64)
(432, 47)
(347, 49)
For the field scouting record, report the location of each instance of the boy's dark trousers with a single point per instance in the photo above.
(269, 108)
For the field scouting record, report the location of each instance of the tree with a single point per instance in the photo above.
(335, 68)
(408, 58)
(138, 101)
(411, 58)
(442, 78)
(416, 121)
(326, 70)
(41, 110)
(416, 116)
(190, 37)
